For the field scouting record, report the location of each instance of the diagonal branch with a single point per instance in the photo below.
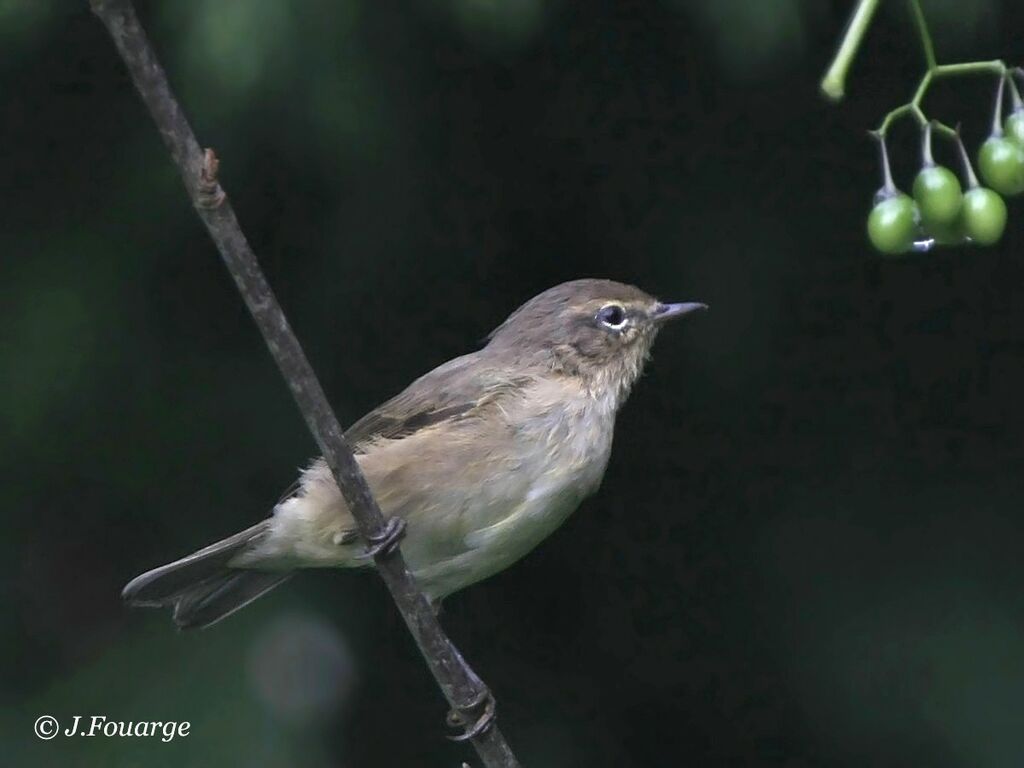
(468, 696)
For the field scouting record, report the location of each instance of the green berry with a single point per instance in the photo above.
(892, 224)
(983, 215)
(1001, 163)
(1014, 127)
(938, 195)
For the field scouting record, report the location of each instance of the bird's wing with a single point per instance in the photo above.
(453, 391)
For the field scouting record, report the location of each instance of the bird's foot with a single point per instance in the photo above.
(385, 542)
(474, 717)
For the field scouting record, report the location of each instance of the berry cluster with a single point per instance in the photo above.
(940, 211)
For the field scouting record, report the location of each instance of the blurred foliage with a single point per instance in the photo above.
(806, 549)
(498, 25)
(753, 40)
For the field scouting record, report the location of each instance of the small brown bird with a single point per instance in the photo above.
(483, 458)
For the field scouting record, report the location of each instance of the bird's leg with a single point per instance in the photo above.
(475, 715)
(385, 542)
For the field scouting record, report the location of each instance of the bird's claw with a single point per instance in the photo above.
(474, 717)
(385, 542)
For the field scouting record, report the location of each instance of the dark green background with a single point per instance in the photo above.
(806, 551)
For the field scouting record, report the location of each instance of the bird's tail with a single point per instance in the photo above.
(203, 588)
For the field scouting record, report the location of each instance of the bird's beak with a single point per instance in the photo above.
(664, 312)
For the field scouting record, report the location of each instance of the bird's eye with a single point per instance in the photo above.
(612, 316)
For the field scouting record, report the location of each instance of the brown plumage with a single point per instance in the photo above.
(483, 457)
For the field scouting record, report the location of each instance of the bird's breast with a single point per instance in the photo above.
(561, 457)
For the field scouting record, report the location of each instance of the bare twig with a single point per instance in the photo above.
(468, 696)
(833, 85)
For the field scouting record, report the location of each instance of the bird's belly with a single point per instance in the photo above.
(491, 541)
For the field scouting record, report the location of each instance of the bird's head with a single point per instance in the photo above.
(599, 330)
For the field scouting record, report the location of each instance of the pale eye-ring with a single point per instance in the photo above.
(612, 316)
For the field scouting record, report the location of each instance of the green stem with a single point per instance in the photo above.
(924, 34)
(994, 67)
(927, 158)
(972, 180)
(1015, 94)
(901, 111)
(922, 87)
(945, 130)
(997, 110)
(913, 107)
(833, 85)
(888, 185)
